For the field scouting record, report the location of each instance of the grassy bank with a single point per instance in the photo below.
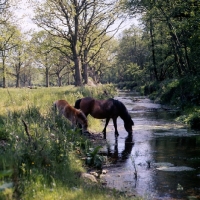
(41, 157)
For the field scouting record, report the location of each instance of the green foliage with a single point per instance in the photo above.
(151, 88)
(3, 131)
(191, 117)
(183, 92)
(179, 92)
(94, 159)
(172, 35)
(195, 121)
(130, 59)
(129, 85)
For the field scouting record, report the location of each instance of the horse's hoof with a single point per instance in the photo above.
(86, 133)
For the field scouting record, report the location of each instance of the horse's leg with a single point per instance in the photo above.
(115, 125)
(78, 125)
(104, 130)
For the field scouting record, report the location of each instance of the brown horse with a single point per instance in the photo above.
(72, 114)
(106, 109)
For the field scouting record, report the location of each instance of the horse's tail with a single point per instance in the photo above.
(77, 104)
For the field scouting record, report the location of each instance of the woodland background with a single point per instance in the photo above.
(76, 41)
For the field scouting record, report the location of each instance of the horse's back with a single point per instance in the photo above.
(61, 103)
(100, 109)
(85, 104)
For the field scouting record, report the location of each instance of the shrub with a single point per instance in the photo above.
(194, 120)
(128, 85)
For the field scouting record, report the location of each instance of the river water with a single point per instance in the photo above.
(160, 161)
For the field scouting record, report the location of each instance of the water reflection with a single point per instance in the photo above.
(116, 155)
(127, 147)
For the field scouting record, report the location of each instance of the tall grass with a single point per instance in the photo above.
(40, 156)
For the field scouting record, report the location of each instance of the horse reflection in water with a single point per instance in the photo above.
(106, 109)
(116, 156)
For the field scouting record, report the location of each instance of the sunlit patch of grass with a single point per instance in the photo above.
(85, 191)
(95, 125)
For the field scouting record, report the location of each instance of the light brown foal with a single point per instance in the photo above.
(72, 114)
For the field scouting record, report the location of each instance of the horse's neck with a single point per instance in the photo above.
(123, 115)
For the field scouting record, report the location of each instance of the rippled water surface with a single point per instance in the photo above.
(161, 160)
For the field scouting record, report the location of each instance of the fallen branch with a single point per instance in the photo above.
(30, 139)
(27, 131)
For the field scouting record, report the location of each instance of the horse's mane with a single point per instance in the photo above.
(77, 104)
(123, 112)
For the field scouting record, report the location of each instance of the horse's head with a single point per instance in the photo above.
(128, 125)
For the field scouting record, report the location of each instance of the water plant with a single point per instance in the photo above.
(94, 159)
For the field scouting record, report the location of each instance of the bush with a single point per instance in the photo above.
(151, 88)
(195, 122)
(127, 85)
(3, 131)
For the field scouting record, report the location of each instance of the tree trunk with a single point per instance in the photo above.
(179, 61)
(177, 46)
(4, 73)
(85, 67)
(17, 81)
(187, 59)
(47, 77)
(77, 63)
(153, 50)
(59, 81)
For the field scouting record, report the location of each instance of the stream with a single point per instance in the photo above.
(162, 158)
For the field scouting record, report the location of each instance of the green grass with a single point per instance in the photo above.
(42, 157)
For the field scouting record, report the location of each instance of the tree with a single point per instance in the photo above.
(61, 67)
(8, 41)
(4, 5)
(103, 62)
(43, 53)
(19, 58)
(131, 55)
(82, 24)
(171, 26)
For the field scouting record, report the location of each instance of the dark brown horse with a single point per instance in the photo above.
(106, 109)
